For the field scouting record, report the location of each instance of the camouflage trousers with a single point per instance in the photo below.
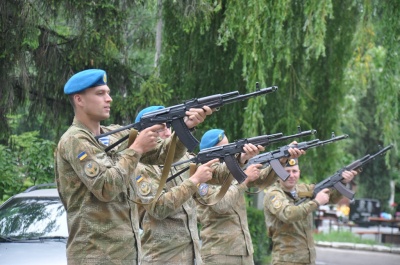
(228, 260)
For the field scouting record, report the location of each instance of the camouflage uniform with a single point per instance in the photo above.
(224, 230)
(170, 233)
(290, 226)
(96, 189)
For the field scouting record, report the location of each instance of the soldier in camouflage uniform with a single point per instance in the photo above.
(96, 187)
(166, 239)
(170, 233)
(224, 230)
(291, 226)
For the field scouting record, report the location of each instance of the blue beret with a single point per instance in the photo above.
(146, 110)
(211, 138)
(85, 79)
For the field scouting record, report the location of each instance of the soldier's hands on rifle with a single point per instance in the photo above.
(294, 153)
(250, 150)
(348, 175)
(146, 140)
(204, 172)
(252, 172)
(195, 116)
(322, 197)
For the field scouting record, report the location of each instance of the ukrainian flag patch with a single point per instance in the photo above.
(139, 178)
(82, 156)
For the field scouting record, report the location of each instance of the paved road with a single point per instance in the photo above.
(333, 256)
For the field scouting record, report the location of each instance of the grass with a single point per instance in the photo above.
(342, 236)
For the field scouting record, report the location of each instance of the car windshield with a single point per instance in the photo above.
(25, 218)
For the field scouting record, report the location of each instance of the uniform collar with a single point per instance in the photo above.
(80, 125)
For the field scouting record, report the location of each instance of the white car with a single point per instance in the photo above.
(33, 228)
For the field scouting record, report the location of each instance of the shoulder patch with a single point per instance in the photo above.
(277, 204)
(144, 187)
(92, 169)
(104, 140)
(203, 189)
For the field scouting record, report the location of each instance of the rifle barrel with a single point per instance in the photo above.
(266, 90)
(301, 134)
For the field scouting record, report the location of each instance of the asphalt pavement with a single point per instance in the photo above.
(339, 256)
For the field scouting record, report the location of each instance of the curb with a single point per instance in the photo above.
(364, 247)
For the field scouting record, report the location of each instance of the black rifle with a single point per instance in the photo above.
(273, 157)
(227, 152)
(335, 180)
(174, 115)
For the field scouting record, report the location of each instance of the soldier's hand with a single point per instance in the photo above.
(322, 197)
(293, 151)
(253, 173)
(197, 116)
(147, 139)
(250, 150)
(203, 172)
(348, 175)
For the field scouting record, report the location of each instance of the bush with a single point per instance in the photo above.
(27, 160)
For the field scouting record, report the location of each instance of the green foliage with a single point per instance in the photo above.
(11, 181)
(152, 92)
(28, 160)
(328, 58)
(376, 173)
(35, 157)
(261, 242)
(293, 45)
(193, 66)
(322, 55)
(52, 40)
(342, 236)
(371, 76)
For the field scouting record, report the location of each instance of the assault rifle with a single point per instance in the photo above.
(335, 180)
(227, 152)
(273, 157)
(174, 115)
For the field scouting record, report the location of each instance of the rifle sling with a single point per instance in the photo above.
(224, 188)
(108, 148)
(260, 188)
(132, 136)
(305, 194)
(165, 172)
(178, 173)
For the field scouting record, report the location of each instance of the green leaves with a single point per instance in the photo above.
(316, 14)
(10, 179)
(28, 160)
(325, 57)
